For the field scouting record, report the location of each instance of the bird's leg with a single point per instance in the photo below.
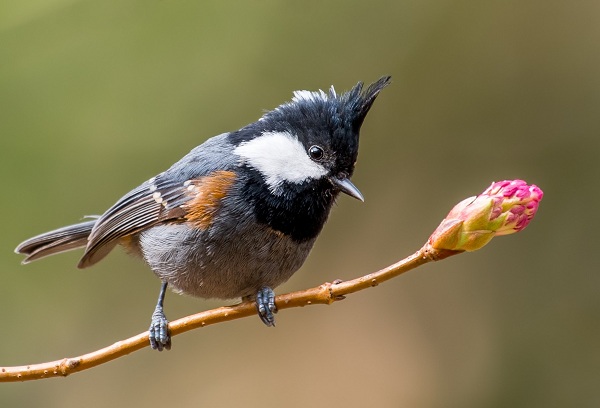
(265, 304)
(160, 338)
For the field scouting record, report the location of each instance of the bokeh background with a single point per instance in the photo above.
(97, 96)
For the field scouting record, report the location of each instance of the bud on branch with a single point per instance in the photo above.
(504, 208)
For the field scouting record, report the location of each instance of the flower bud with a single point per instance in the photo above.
(504, 208)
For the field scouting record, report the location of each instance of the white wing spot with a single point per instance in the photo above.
(157, 197)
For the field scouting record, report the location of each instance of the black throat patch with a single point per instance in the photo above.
(299, 212)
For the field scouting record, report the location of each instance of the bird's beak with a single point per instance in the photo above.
(346, 186)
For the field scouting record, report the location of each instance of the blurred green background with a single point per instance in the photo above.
(97, 96)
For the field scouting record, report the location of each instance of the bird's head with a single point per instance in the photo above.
(311, 139)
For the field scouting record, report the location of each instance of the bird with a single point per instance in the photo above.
(237, 215)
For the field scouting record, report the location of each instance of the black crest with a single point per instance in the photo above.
(327, 113)
(355, 104)
(320, 109)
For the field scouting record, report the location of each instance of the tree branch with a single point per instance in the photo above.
(326, 293)
(503, 208)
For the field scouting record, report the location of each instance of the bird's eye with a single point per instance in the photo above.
(315, 152)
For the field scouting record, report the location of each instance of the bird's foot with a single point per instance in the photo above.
(265, 304)
(160, 338)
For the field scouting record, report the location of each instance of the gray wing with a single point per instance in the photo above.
(157, 200)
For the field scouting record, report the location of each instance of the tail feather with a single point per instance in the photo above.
(57, 241)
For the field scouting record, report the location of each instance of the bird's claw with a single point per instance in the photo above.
(160, 337)
(265, 305)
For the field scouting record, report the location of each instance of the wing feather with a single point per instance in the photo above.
(153, 202)
(162, 198)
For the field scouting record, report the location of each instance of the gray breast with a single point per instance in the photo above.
(233, 258)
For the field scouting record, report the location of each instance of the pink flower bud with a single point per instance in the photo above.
(504, 208)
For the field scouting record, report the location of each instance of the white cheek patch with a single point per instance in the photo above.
(280, 157)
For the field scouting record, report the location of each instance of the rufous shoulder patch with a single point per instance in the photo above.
(207, 193)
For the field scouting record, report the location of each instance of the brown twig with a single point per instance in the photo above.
(326, 293)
